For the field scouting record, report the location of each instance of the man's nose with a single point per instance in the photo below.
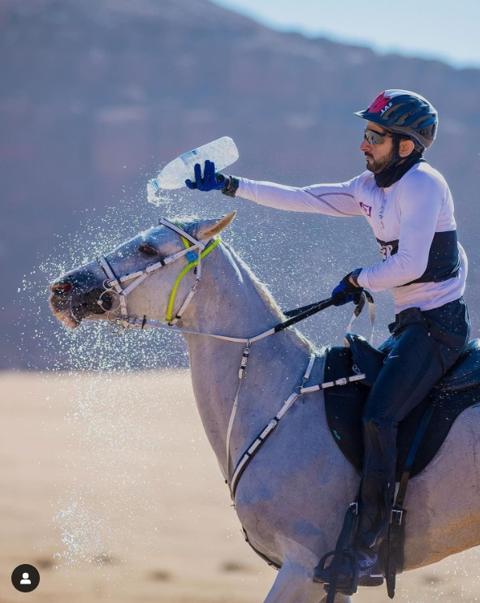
(364, 146)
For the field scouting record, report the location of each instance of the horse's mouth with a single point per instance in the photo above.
(70, 308)
(63, 312)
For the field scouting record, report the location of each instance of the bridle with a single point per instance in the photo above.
(194, 251)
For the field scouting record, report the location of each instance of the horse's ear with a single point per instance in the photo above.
(210, 228)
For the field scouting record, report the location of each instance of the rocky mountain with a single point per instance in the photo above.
(95, 94)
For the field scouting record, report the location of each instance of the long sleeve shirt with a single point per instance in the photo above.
(406, 219)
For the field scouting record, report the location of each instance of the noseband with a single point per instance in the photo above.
(194, 251)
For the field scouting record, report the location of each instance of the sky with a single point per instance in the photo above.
(444, 29)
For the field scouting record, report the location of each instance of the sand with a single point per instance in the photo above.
(110, 489)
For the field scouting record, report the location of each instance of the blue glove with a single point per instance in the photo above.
(345, 292)
(210, 181)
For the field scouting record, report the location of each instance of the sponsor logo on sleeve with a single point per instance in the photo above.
(367, 209)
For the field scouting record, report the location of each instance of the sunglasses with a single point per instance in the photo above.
(373, 137)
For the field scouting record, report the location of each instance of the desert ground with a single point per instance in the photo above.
(110, 489)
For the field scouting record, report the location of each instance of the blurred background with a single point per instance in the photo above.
(110, 487)
(96, 95)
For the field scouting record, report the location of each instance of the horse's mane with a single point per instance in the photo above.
(260, 287)
(265, 293)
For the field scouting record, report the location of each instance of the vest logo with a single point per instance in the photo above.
(387, 251)
(367, 209)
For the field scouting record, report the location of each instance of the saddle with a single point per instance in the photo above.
(344, 405)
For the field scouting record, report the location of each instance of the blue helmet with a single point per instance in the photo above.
(406, 113)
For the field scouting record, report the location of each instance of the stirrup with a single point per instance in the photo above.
(329, 574)
(342, 557)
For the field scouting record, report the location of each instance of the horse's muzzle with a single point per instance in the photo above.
(76, 296)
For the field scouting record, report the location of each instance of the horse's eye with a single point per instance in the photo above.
(147, 249)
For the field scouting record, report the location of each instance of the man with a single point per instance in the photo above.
(410, 209)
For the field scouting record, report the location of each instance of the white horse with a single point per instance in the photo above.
(292, 496)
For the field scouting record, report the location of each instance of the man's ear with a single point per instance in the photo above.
(405, 147)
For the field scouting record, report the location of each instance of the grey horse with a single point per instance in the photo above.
(292, 496)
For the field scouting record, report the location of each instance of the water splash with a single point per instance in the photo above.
(83, 534)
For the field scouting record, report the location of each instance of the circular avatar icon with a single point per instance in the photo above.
(25, 578)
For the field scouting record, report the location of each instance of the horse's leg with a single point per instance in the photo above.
(294, 584)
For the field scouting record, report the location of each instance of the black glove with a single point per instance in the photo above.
(346, 292)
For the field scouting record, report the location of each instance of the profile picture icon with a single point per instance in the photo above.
(25, 578)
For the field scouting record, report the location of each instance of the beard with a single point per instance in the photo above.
(378, 165)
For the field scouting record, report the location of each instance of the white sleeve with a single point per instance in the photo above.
(329, 199)
(420, 204)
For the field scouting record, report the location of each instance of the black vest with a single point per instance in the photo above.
(443, 257)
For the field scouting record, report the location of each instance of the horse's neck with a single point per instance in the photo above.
(230, 302)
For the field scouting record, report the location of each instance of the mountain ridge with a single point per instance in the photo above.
(97, 94)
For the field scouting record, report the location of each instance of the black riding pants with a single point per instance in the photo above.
(421, 349)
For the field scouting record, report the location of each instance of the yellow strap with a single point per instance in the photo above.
(186, 269)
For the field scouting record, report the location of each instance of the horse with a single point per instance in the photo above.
(291, 496)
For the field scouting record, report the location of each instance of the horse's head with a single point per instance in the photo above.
(149, 275)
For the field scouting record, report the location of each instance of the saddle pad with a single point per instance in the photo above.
(344, 407)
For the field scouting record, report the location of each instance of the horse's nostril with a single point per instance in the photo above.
(61, 288)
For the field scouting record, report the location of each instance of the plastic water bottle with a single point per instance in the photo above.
(223, 152)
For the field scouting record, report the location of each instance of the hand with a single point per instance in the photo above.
(210, 181)
(347, 291)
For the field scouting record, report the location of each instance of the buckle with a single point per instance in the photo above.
(192, 256)
(353, 507)
(396, 516)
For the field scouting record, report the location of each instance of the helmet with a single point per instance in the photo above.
(406, 113)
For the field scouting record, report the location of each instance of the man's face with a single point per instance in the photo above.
(380, 154)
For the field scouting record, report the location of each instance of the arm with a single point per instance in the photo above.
(328, 199)
(420, 203)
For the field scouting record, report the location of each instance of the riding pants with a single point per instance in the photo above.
(421, 349)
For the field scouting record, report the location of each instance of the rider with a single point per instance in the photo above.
(409, 207)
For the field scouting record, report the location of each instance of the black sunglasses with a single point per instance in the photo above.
(373, 137)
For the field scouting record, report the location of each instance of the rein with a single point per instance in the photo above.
(195, 251)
